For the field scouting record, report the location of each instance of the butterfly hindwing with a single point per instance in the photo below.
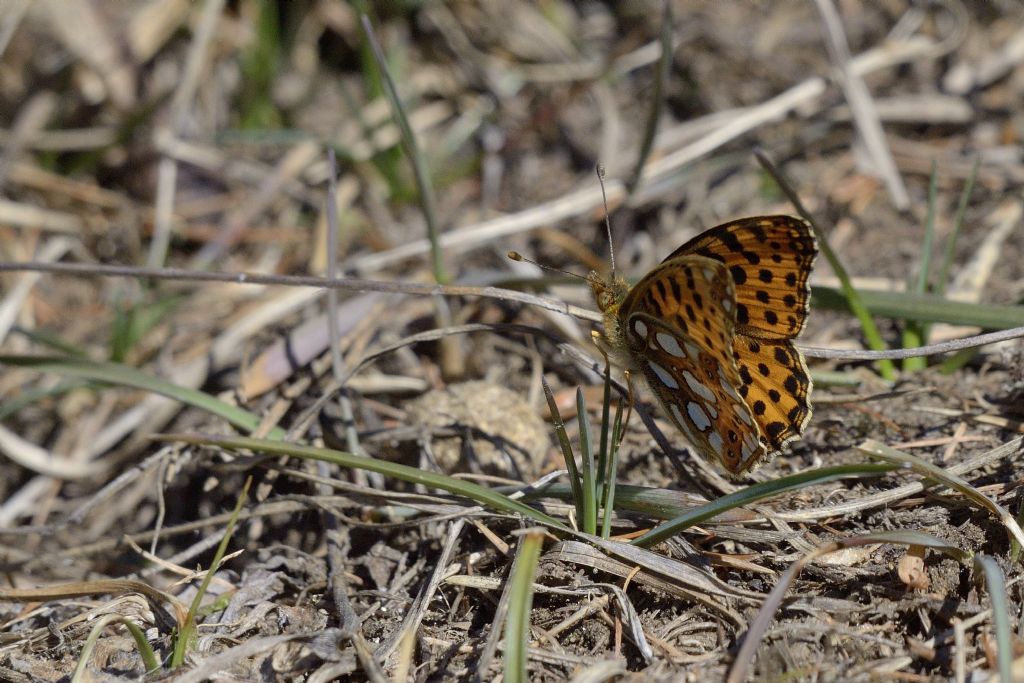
(678, 325)
(769, 259)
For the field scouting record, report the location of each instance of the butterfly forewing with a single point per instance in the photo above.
(770, 259)
(678, 325)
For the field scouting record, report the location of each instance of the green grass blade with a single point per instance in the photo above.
(259, 64)
(412, 150)
(184, 638)
(1015, 547)
(958, 222)
(606, 404)
(913, 336)
(661, 71)
(921, 285)
(653, 502)
(11, 405)
(916, 333)
(755, 493)
(567, 454)
(958, 360)
(835, 378)
(608, 491)
(927, 469)
(853, 299)
(131, 325)
(122, 375)
(50, 341)
(995, 582)
(413, 475)
(961, 358)
(590, 495)
(149, 659)
(517, 622)
(924, 307)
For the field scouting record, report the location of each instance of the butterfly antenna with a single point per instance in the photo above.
(607, 222)
(516, 256)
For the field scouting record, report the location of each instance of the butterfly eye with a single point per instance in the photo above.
(604, 297)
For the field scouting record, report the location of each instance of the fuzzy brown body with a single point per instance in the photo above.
(609, 293)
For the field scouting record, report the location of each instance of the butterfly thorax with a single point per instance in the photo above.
(609, 293)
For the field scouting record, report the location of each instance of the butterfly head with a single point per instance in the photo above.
(609, 292)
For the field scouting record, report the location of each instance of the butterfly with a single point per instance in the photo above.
(711, 328)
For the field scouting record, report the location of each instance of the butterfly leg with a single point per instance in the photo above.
(629, 404)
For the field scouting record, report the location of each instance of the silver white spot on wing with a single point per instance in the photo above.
(727, 305)
(698, 416)
(749, 445)
(692, 352)
(709, 274)
(716, 442)
(670, 344)
(727, 387)
(676, 414)
(640, 327)
(744, 414)
(681, 423)
(663, 375)
(696, 387)
(711, 411)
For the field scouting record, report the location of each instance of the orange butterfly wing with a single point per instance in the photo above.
(678, 325)
(770, 259)
(776, 387)
(711, 329)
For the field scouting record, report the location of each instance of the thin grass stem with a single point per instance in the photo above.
(588, 467)
(661, 71)
(916, 333)
(416, 157)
